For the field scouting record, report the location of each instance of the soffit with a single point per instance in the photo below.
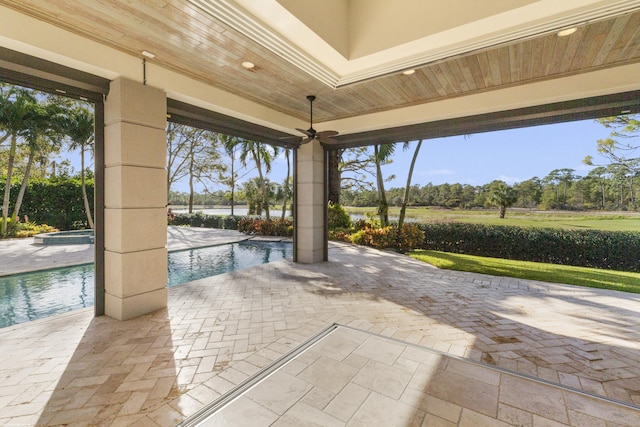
(208, 47)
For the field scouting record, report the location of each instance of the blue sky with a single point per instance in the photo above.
(512, 155)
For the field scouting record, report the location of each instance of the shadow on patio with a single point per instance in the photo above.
(118, 369)
(219, 331)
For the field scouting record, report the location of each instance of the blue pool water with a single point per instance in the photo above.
(31, 296)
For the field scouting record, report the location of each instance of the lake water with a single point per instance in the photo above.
(239, 211)
(30, 296)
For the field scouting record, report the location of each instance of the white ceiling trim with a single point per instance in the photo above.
(334, 70)
(266, 37)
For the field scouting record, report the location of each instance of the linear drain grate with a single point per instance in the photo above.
(241, 388)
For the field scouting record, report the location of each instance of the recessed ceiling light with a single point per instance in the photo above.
(408, 72)
(567, 32)
(148, 54)
(248, 65)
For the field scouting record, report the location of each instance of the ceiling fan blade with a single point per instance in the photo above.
(306, 140)
(328, 141)
(327, 133)
(306, 132)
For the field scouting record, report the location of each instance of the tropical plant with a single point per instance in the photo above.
(24, 120)
(502, 196)
(78, 125)
(382, 155)
(262, 157)
(231, 146)
(407, 188)
(286, 189)
(337, 217)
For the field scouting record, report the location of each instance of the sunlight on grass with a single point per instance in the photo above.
(582, 276)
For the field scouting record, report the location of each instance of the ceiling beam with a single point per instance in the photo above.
(28, 71)
(559, 112)
(187, 114)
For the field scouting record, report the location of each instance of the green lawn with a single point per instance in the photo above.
(591, 277)
(608, 221)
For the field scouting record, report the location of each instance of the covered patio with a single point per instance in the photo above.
(382, 72)
(421, 344)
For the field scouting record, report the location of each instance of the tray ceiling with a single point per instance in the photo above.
(504, 45)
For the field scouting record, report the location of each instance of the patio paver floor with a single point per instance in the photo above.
(369, 380)
(217, 332)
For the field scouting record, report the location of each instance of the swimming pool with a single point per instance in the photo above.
(30, 296)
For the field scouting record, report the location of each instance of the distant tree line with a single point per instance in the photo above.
(602, 189)
(611, 184)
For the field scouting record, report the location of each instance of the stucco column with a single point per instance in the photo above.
(310, 209)
(135, 214)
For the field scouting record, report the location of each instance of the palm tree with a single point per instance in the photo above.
(503, 196)
(79, 127)
(231, 144)
(381, 154)
(407, 188)
(43, 127)
(286, 187)
(261, 156)
(16, 110)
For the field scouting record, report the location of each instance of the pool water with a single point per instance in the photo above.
(30, 296)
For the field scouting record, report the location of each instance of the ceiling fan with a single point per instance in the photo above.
(325, 136)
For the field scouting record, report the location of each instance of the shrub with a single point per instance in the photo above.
(339, 236)
(247, 225)
(613, 250)
(55, 201)
(409, 238)
(379, 238)
(180, 219)
(28, 229)
(197, 219)
(337, 217)
(230, 222)
(212, 221)
(361, 224)
(263, 227)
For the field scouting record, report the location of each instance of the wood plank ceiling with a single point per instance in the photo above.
(193, 43)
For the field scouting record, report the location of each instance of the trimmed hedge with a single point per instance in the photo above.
(199, 219)
(244, 224)
(57, 203)
(611, 250)
(264, 227)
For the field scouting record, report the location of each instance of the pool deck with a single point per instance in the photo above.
(368, 338)
(22, 255)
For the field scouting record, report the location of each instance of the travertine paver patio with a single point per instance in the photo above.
(219, 331)
(349, 377)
